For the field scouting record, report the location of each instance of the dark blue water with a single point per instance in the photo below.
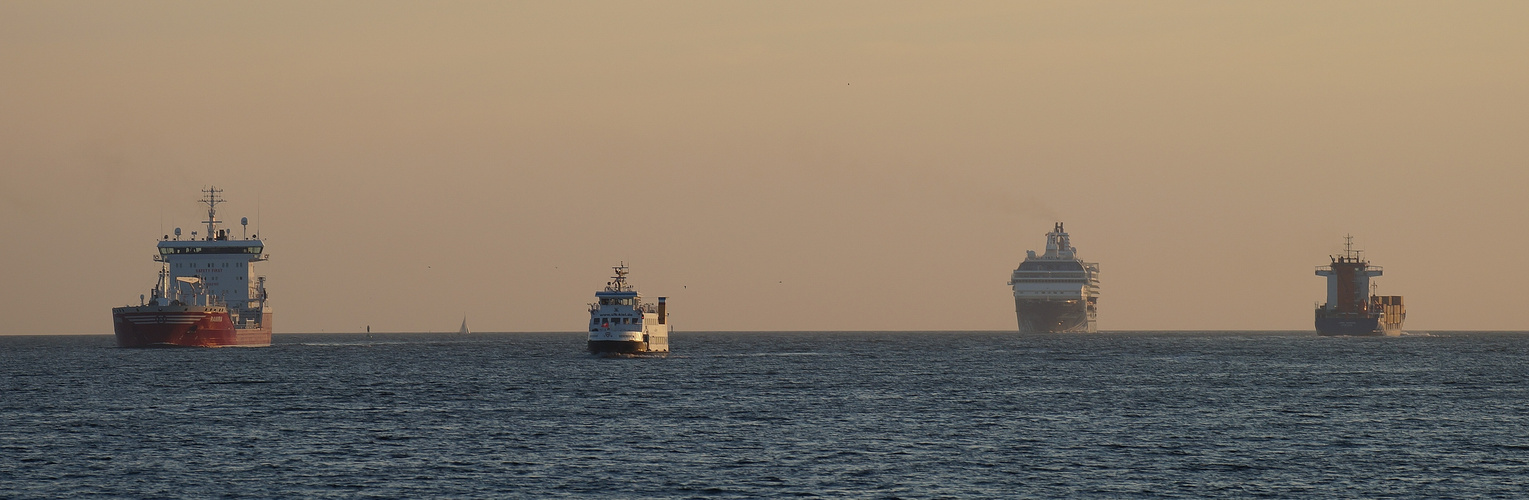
(944, 414)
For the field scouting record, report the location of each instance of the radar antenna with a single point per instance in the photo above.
(212, 197)
(1349, 253)
(618, 283)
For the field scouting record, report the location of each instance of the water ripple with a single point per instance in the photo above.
(885, 415)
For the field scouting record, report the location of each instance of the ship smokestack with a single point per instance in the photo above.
(663, 314)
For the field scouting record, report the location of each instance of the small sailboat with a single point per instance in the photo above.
(464, 330)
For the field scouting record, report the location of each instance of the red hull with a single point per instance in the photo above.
(185, 326)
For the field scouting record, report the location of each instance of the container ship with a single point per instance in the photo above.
(208, 293)
(1056, 292)
(620, 324)
(1352, 308)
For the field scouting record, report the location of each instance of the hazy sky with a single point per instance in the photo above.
(769, 165)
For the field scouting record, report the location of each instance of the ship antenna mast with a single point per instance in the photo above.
(212, 199)
(619, 285)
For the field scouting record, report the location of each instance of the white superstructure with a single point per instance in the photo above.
(619, 323)
(1056, 291)
(222, 265)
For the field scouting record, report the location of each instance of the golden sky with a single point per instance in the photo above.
(769, 165)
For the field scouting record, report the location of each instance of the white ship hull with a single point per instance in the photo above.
(652, 338)
(1054, 316)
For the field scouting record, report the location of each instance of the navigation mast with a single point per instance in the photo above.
(619, 284)
(211, 196)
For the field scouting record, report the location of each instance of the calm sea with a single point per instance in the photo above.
(865, 414)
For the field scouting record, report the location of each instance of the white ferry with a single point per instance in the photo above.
(1056, 291)
(620, 324)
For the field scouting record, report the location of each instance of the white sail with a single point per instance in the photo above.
(464, 330)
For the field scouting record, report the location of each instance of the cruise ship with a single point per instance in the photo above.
(1352, 308)
(1056, 291)
(620, 324)
(208, 293)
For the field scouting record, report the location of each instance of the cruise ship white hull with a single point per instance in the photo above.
(1054, 316)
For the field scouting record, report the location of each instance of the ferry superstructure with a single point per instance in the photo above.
(208, 293)
(1351, 308)
(1056, 291)
(621, 324)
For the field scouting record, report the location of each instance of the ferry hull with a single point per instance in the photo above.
(1054, 316)
(185, 326)
(1357, 327)
(618, 347)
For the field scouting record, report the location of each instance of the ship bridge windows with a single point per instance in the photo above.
(166, 250)
(602, 320)
(1066, 265)
(607, 301)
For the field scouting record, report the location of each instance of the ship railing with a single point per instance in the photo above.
(1329, 268)
(207, 300)
(204, 300)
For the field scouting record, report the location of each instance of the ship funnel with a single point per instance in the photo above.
(663, 312)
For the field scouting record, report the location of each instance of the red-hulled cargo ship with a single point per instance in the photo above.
(208, 294)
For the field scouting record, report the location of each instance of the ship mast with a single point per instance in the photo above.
(619, 284)
(212, 199)
(1348, 249)
(1057, 244)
